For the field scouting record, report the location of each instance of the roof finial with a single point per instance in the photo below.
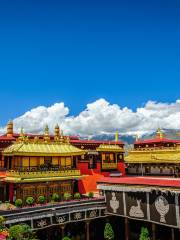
(159, 133)
(46, 130)
(22, 136)
(9, 128)
(56, 133)
(46, 134)
(116, 136)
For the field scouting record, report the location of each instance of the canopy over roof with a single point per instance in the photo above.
(42, 149)
(109, 148)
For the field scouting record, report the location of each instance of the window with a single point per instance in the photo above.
(48, 160)
(66, 162)
(107, 158)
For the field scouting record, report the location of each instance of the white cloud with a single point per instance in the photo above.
(34, 121)
(102, 117)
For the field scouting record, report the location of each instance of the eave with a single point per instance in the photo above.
(49, 179)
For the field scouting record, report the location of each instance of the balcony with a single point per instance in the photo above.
(43, 174)
(109, 165)
(42, 168)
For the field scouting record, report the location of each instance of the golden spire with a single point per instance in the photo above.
(56, 132)
(46, 130)
(46, 134)
(9, 129)
(22, 137)
(62, 138)
(116, 136)
(159, 133)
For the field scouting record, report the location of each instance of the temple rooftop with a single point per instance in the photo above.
(41, 149)
(109, 147)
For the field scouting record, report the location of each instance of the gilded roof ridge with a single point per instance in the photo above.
(43, 148)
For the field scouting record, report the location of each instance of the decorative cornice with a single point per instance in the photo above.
(133, 188)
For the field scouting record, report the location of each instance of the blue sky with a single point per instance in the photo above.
(75, 52)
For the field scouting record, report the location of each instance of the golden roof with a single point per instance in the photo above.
(109, 148)
(42, 149)
(171, 155)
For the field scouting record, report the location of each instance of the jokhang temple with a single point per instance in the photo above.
(131, 191)
(157, 156)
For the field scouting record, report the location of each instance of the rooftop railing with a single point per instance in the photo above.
(153, 149)
(41, 168)
(43, 174)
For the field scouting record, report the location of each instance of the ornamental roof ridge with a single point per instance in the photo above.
(46, 148)
(109, 146)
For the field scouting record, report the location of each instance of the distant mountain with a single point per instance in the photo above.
(129, 139)
(169, 133)
(111, 137)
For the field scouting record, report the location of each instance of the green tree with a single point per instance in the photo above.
(21, 232)
(67, 196)
(2, 220)
(55, 197)
(77, 195)
(144, 234)
(108, 232)
(18, 202)
(66, 238)
(2, 225)
(41, 199)
(90, 194)
(30, 200)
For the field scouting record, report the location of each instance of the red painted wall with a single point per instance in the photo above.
(88, 183)
(83, 167)
(121, 167)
